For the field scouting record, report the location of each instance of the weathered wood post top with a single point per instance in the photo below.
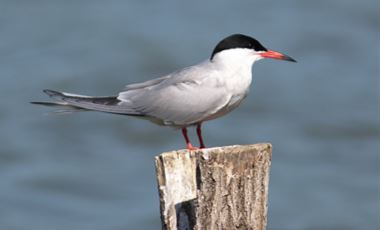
(215, 188)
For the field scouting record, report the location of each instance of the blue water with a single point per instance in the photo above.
(96, 171)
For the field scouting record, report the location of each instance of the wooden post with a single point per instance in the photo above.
(215, 188)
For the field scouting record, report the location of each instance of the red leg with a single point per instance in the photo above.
(185, 134)
(202, 145)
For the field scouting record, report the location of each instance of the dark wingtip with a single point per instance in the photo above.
(40, 103)
(51, 92)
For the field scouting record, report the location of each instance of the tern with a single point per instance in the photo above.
(187, 97)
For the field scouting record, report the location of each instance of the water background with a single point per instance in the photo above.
(96, 171)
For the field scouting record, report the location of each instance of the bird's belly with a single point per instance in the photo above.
(238, 90)
(233, 103)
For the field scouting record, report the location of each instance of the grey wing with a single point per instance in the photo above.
(108, 104)
(146, 84)
(184, 99)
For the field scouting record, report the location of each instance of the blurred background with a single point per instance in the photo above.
(96, 171)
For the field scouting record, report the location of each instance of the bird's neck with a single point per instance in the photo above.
(236, 71)
(234, 64)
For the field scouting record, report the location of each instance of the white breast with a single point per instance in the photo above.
(235, 76)
(235, 71)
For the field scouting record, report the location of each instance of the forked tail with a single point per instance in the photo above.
(74, 102)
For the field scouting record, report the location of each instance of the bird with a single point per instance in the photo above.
(187, 97)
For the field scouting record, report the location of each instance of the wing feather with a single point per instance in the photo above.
(146, 84)
(184, 98)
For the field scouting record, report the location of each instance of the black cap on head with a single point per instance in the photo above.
(238, 41)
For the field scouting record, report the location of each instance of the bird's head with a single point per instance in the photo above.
(239, 47)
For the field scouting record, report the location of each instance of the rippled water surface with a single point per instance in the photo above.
(96, 171)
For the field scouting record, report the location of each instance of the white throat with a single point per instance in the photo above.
(235, 66)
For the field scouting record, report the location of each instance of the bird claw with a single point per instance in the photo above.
(191, 147)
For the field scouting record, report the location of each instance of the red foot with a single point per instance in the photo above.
(191, 147)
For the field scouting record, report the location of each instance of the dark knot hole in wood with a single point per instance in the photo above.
(185, 214)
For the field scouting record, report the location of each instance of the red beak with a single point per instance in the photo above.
(276, 55)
